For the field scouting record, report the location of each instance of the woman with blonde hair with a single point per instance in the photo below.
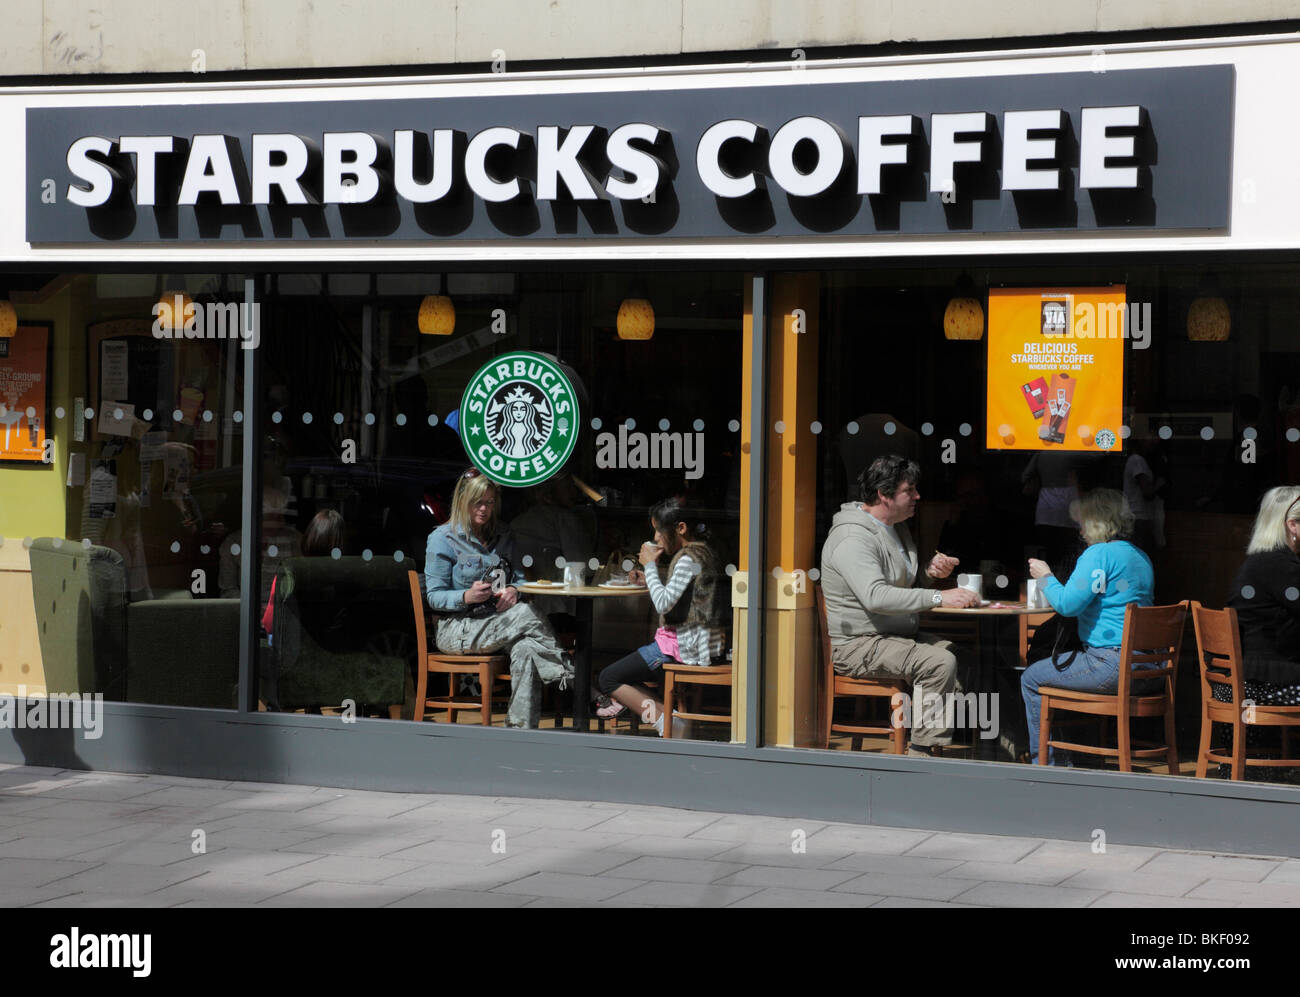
(1266, 596)
(470, 577)
(1109, 575)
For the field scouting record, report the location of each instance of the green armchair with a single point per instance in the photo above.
(172, 652)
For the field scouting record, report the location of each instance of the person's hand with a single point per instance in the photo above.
(1038, 569)
(650, 552)
(941, 565)
(506, 598)
(478, 592)
(636, 577)
(959, 599)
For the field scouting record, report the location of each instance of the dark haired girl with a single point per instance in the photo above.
(692, 607)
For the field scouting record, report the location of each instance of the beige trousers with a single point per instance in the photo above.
(924, 661)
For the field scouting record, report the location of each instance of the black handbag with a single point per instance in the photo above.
(1057, 639)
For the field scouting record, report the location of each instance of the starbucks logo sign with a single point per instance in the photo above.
(519, 419)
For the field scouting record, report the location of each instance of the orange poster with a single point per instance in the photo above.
(24, 387)
(1056, 368)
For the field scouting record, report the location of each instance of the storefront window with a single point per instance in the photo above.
(363, 378)
(121, 489)
(1191, 420)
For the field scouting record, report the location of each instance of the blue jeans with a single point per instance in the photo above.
(1094, 669)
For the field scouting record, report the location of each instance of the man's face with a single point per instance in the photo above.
(902, 504)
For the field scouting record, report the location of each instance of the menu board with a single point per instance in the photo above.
(1056, 368)
(24, 394)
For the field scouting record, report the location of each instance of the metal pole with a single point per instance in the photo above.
(757, 525)
(250, 612)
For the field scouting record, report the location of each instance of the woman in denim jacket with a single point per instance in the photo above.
(1109, 575)
(470, 578)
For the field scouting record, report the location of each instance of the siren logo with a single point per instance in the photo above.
(519, 419)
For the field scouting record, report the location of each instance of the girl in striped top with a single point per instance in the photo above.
(692, 604)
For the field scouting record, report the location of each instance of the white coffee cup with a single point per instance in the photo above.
(574, 574)
(972, 583)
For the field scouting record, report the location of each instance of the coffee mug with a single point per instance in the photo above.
(1034, 595)
(972, 583)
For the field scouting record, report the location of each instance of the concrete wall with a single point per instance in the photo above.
(42, 37)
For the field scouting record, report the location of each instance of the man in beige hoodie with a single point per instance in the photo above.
(874, 592)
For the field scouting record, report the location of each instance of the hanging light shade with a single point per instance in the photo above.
(168, 306)
(437, 315)
(636, 319)
(963, 319)
(8, 319)
(1208, 320)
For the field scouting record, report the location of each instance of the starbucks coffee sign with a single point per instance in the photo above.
(519, 419)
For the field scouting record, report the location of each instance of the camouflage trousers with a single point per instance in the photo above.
(535, 655)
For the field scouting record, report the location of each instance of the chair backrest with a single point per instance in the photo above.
(1153, 638)
(1218, 646)
(1029, 624)
(417, 605)
(824, 633)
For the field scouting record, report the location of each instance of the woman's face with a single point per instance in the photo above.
(1293, 535)
(480, 512)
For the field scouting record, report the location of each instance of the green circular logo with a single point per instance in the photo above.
(519, 419)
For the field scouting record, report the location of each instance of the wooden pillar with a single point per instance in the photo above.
(791, 668)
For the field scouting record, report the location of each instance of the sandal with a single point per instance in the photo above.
(608, 709)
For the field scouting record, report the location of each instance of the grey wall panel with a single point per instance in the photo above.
(858, 788)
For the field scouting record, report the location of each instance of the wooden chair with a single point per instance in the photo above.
(1218, 646)
(1153, 635)
(1029, 625)
(488, 668)
(680, 679)
(864, 689)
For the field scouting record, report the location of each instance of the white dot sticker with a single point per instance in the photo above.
(630, 423)
(964, 429)
(1125, 432)
(698, 425)
(238, 416)
(1207, 433)
(733, 426)
(815, 428)
(1002, 581)
(1248, 591)
(117, 415)
(527, 560)
(628, 564)
(207, 415)
(1292, 593)
(664, 424)
(1121, 585)
(398, 556)
(306, 418)
(890, 429)
(730, 569)
(1249, 433)
(176, 547)
(1165, 433)
(367, 554)
(596, 423)
(559, 561)
(272, 551)
(400, 420)
(31, 412)
(852, 427)
(147, 415)
(813, 574)
(369, 419)
(433, 418)
(234, 549)
(927, 429)
(335, 553)
(779, 427)
(59, 412)
(338, 418)
(90, 412)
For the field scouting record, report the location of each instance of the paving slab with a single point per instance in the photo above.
(1026, 895)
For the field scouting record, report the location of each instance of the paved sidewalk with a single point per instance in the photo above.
(74, 839)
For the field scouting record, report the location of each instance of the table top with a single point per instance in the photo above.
(584, 592)
(993, 609)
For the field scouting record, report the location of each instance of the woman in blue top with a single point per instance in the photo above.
(470, 577)
(1109, 575)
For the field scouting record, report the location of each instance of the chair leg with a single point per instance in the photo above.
(421, 693)
(667, 718)
(485, 694)
(1203, 752)
(1125, 740)
(1044, 729)
(1238, 749)
(1171, 743)
(451, 695)
(856, 743)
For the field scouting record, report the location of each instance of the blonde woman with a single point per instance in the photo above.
(1266, 596)
(1109, 575)
(470, 576)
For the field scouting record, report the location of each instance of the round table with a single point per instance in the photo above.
(585, 594)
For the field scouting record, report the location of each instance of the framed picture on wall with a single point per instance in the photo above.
(25, 395)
